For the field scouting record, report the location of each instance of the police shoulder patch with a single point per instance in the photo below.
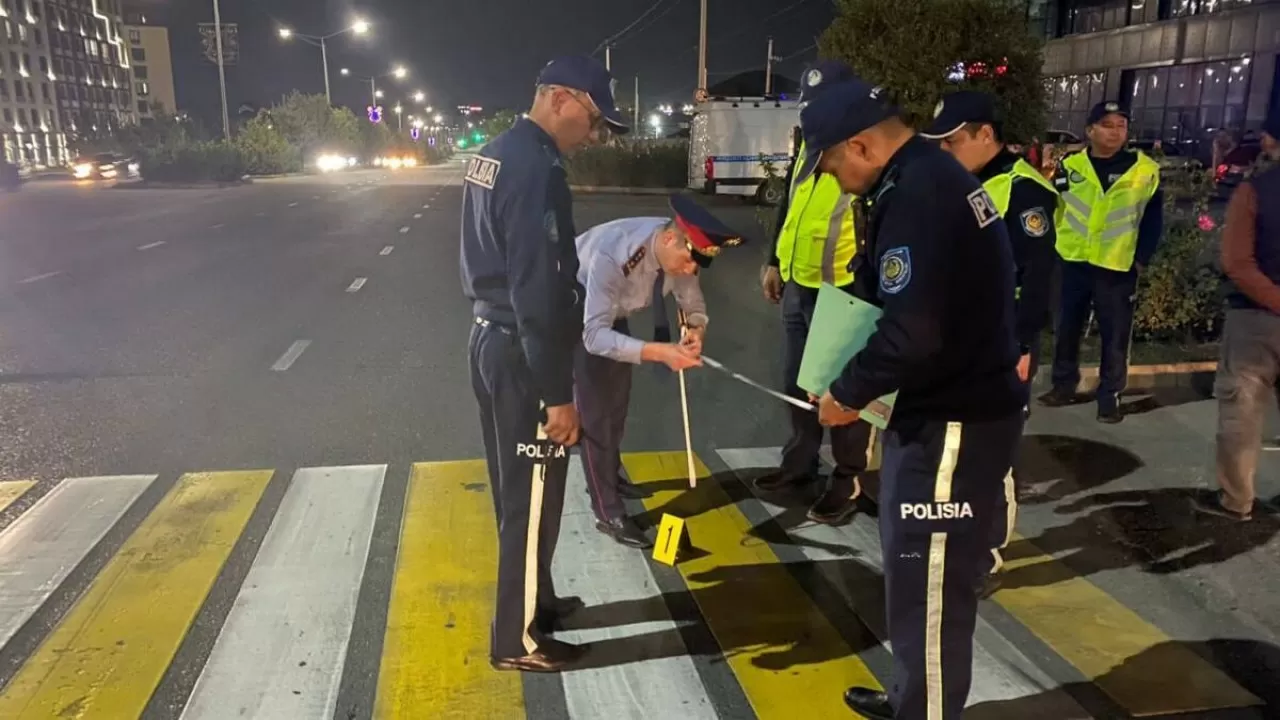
(1035, 223)
(483, 171)
(634, 260)
(895, 270)
(984, 208)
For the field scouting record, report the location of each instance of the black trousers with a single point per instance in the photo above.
(602, 391)
(850, 444)
(1111, 295)
(527, 477)
(1007, 512)
(940, 487)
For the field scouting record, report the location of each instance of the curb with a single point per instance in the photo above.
(276, 175)
(145, 185)
(611, 190)
(1198, 376)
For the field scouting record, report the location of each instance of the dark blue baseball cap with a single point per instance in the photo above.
(589, 75)
(958, 109)
(821, 76)
(842, 111)
(1104, 109)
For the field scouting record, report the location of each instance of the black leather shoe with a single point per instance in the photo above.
(779, 480)
(631, 491)
(1058, 397)
(988, 585)
(869, 703)
(1110, 416)
(833, 508)
(625, 532)
(550, 657)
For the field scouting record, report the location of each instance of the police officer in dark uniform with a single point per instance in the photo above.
(937, 260)
(519, 268)
(969, 126)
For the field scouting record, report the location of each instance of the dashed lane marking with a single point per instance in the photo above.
(356, 284)
(38, 278)
(387, 250)
(148, 246)
(293, 204)
(291, 355)
(219, 225)
(404, 229)
(417, 216)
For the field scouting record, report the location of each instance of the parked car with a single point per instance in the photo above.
(105, 166)
(1172, 159)
(1234, 166)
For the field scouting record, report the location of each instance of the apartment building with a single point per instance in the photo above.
(152, 67)
(1186, 68)
(31, 132)
(91, 62)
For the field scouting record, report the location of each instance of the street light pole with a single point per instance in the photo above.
(324, 58)
(222, 74)
(373, 91)
(702, 49)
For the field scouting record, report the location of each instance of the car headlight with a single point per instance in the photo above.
(83, 170)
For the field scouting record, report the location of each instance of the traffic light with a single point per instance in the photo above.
(462, 143)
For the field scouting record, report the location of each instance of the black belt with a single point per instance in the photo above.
(489, 324)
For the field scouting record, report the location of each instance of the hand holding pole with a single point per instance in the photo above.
(684, 411)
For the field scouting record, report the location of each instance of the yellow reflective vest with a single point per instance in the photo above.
(1102, 228)
(1000, 188)
(816, 242)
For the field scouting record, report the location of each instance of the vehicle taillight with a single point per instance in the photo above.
(1220, 173)
(709, 169)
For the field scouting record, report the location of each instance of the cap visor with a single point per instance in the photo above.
(939, 130)
(611, 115)
(702, 260)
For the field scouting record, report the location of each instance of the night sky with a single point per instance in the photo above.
(479, 52)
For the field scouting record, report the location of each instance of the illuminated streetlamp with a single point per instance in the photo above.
(359, 27)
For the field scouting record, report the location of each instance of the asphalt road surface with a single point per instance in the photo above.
(241, 477)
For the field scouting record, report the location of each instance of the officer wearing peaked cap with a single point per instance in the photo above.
(937, 261)
(815, 243)
(520, 270)
(968, 125)
(624, 265)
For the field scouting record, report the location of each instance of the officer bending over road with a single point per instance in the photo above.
(969, 127)
(937, 259)
(520, 270)
(624, 265)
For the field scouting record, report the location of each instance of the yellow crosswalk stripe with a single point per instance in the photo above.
(435, 659)
(1128, 658)
(784, 652)
(12, 490)
(109, 653)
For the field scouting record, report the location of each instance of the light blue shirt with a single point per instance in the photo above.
(618, 267)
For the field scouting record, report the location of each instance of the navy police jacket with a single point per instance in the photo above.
(938, 261)
(519, 263)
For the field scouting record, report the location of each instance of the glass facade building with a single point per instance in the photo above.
(1187, 69)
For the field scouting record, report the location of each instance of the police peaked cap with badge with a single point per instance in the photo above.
(958, 109)
(589, 75)
(822, 76)
(841, 111)
(1103, 109)
(705, 232)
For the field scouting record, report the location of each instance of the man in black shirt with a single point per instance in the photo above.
(937, 261)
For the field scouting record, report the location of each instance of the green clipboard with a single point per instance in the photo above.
(841, 326)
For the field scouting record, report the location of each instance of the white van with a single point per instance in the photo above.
(727, 139)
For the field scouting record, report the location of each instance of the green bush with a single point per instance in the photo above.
(1180, 295)
(217, 160)
(631, 163)
(265, 150)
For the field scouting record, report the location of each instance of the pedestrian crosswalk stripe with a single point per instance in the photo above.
(40, 548)
(12, 490)
(1096, 634)
(435, 661)
(280, 652)
(108, 654)
(784, 652)
(642, 667)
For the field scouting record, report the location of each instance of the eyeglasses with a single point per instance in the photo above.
(598, 124)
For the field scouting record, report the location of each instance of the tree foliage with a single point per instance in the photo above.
(310, 124)
(912, 46)
(497, 123)
(265, 149)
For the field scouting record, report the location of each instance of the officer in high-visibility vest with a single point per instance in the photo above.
(969, 126)
(1111, 221)
(815, 243)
